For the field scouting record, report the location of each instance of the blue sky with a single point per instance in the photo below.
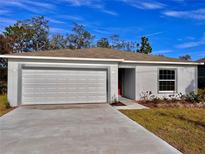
(174, 27)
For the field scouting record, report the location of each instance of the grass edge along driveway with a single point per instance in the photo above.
(183, 128)
(4, 105)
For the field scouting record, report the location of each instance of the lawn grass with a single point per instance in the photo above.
(183, 128)
(4, 105)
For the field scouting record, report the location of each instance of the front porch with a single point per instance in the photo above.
(127, 89)
(128, 104)
(126, 83)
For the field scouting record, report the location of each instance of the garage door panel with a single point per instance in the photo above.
(62, 72)
(63, 86)
(59, 90)
(71, 94)
(67, 86)
(74, 98)
(72, 83)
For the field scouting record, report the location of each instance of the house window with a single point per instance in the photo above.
(167, 80)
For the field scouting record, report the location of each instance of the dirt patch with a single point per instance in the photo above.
(118, 104)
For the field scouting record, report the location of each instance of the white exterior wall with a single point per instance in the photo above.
(113, 82)
(12, 83)
(147, 79)
(14, 75)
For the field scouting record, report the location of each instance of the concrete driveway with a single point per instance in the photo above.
(76, 129)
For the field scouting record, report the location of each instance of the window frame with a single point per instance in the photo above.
(175, 81)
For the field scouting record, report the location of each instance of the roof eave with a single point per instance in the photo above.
(99, 59)
(163, 62)
(59, 58)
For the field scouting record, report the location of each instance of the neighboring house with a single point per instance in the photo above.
(201, 74)
(94, 75)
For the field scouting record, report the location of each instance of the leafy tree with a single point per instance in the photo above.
(116, 42)
(145, 46)
(80, 38)
(3, 63)
(5, 48)
(185, 57)
(103, 43)
(129, 46)
(5, 44)
(22, 38)
(30, 35)
(40, 31)
(138, 47)
(57, 42)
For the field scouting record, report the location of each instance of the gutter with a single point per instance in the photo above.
(99, 59)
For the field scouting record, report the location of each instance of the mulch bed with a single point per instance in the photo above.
(165, 104)
(118, 104)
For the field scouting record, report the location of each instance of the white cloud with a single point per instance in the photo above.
(110, 12)
(54, 30)
(11, 3)
(4, 12)
(146, 5)
(198, 14)
(4, 22)
(190, 38)
(153, 5)
(89, 3)
(107, 31)
(55, 21)
(76, 18)
(40, 4)
(192, 44)
(96, 4)
(102, 31)
(66, 17)
(153, 34)
(180, 1)
(7, 21)
(29, 5)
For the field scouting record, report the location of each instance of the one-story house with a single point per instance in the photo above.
(94, 75)
(201, 74)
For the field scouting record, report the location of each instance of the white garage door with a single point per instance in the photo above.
(60, 86)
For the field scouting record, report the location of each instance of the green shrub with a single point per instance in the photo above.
(192, 97)
(201, 95)
(3, 87)
(4, 104)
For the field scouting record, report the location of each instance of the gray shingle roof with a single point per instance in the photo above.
(103, 53)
